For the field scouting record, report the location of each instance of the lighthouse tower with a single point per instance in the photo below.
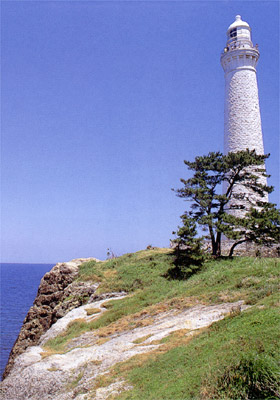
(242, 112)
(242, 121)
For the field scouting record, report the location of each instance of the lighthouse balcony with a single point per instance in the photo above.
(240, 59)
(240, 46)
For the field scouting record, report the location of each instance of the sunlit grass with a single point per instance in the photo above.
(143, 276)
(236, 358)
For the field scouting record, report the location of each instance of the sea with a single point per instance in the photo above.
(19, 286)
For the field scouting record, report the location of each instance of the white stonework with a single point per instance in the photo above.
(242, 114)
(242, 121)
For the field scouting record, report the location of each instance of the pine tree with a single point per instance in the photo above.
(216, 212)
(189, 256)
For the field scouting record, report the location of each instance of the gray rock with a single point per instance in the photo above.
(49, 305)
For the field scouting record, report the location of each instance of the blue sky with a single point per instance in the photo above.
(101, 103)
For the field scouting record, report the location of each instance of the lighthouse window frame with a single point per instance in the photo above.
(233, 33)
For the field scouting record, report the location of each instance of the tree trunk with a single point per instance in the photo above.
(213, 242)
(178, 250)
(236, 244)
(218, 244)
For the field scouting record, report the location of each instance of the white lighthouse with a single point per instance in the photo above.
(242, 120)
(242, 112)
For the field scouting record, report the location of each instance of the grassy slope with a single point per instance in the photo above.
(234, 358)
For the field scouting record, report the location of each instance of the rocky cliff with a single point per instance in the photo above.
(92, 326)
(57, 294)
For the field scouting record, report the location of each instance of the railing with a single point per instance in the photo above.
(238, 47)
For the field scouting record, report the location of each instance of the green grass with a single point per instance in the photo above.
(74, 329)
(235, 358)
(143, 275)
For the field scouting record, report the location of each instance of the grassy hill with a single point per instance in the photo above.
(235, 358)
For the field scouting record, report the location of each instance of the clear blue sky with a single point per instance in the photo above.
(101, 103)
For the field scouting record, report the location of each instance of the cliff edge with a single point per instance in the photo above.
(50, 305)
(124, 328)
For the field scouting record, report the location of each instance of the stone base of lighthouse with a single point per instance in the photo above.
(244, 249)
(250, 249)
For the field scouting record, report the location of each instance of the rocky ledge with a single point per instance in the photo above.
(58, 293)
(74, 373)
(35, 373)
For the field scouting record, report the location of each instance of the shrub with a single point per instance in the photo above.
(255, 376)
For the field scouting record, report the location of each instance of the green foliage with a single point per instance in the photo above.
(261, 226)
(188, 252)
(253, 376)
(215, 212)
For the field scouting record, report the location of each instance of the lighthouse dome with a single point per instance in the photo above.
(238, 23)
(239, 33)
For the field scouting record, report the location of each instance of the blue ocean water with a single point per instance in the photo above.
(19, 285)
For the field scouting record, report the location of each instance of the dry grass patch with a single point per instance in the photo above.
(141, 339)
(230, 296)
(177, 303)
(92, 311)
(93, 277)
(146, 316)
(225, 296)
(144, 322)
(175, 339)
(251, 281)
(182, 303)
(93, 363)
(124, 324)
(48, 352)
(52, 369)
(102, 340)
(103, 380)
(156, 250)
(175, 336)
(110, 273)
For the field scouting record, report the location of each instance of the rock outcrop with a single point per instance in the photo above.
(58, 293)
(73, 373)
(73, 312)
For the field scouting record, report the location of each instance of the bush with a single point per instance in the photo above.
(255, 376)
(187, 262)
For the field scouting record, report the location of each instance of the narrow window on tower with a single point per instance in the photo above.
(233, 33)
